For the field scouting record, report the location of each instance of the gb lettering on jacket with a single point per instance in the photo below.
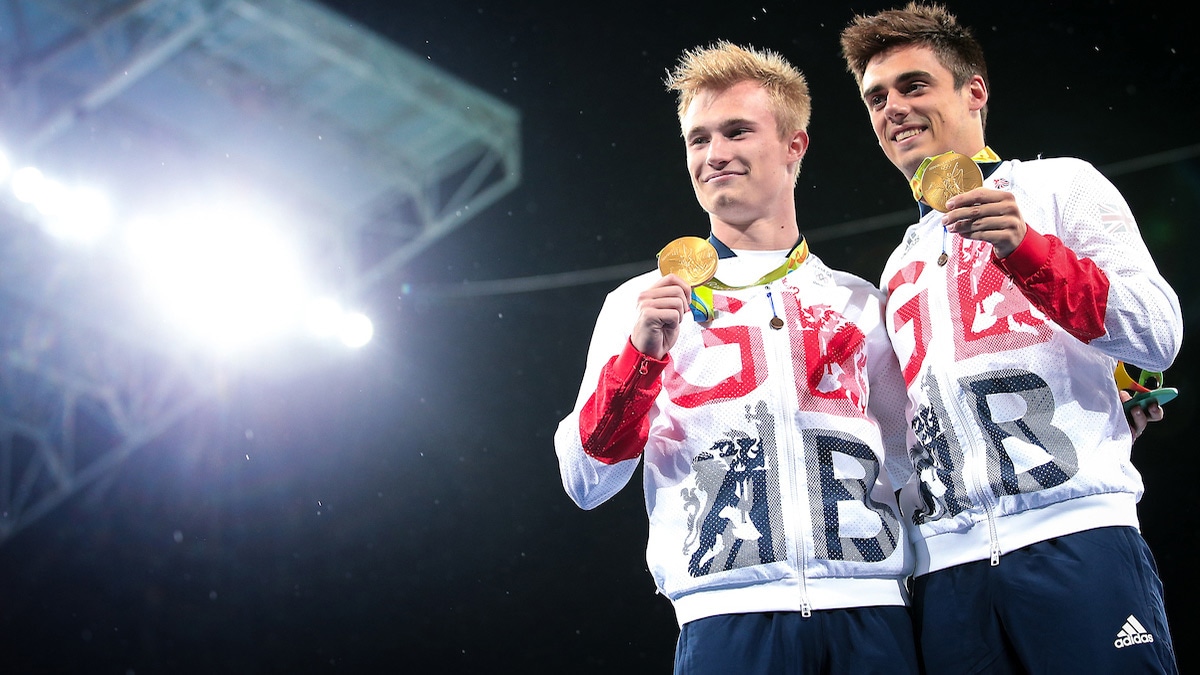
(1024, 452)
(733, 511)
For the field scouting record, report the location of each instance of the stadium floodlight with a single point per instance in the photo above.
(228, 280)
(30, 186)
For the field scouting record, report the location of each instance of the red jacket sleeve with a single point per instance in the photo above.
(614, 424)
(1072, 291)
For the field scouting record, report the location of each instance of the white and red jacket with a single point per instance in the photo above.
(763, 450)
(1018, 430)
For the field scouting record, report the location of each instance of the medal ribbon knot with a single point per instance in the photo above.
(702, 295)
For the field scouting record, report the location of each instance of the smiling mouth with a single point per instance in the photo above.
(722, 174)
(908, 133)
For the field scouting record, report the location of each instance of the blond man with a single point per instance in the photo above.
(764, 405)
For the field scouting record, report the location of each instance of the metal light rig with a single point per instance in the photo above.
(376, 152)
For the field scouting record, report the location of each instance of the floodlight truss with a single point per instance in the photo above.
(68, 418)
(382, 152)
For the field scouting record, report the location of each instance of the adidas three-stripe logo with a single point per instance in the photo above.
(1132, 633)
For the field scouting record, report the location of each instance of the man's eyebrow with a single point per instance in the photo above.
(723, 124)
(867, 93)
(902, 77)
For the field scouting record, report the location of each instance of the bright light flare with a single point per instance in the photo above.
(227, 279)
(323, 316)
(29, 185)
(326, 318)
(79, 214)
(84, 215)
(356, 330)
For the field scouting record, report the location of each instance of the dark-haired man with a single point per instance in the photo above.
(1009, 310)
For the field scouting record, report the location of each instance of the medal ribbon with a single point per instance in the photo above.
(984, 155)
(702, 295)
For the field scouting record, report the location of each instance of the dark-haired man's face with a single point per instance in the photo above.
(916, 110)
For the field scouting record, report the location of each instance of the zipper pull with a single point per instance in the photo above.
(805, 609)
(776, 322)
(995, 556)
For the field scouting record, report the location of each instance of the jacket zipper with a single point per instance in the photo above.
(786, 439)
(981, 489)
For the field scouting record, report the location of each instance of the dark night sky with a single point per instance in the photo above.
(402, 511)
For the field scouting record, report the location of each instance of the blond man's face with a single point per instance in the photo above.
(741, 169)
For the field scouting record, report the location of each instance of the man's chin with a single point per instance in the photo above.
(722, 203)
(907, 161)
(908, 165)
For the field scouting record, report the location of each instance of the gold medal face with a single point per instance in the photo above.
(949, 175)
(690, 258)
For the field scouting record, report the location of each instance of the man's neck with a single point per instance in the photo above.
(762, 235)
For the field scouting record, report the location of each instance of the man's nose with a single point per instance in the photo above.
(718, 151)
(895, 107)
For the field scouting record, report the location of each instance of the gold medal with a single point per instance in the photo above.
(690, 258)
(948, 175)
(942, 259)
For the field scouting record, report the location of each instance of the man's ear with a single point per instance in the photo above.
(797, 146)
(976, 92)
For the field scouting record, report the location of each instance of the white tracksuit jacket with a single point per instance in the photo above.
(763, 450)
(1018, 430)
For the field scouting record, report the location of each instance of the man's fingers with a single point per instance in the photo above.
(673, 281)
(663, 303)
(1140, 417)
(667, 294)
(1137, 421)
(1154, 412)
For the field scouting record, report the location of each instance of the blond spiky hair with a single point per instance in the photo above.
(723, 64)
